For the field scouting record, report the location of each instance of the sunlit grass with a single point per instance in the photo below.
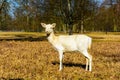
(14, 34)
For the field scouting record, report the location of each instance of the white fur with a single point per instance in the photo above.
(64, 43)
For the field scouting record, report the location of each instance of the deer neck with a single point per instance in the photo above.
(51, 37)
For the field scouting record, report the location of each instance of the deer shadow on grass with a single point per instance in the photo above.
(2, 78)
(24, 38)
(70, 64)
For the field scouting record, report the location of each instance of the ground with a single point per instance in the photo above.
(37, 60)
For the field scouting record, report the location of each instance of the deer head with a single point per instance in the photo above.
(48, 27)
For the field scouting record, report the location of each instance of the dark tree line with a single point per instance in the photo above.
(70, 15)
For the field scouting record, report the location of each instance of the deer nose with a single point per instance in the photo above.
(47, 31)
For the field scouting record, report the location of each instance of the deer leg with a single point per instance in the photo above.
(61, 57)
(90, 63)
(87, 64)
(88, 60)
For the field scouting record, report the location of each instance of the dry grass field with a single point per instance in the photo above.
(37, 60)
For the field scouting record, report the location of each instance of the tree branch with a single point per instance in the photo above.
(2, 5)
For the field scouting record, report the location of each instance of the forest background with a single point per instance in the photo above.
(70, 15)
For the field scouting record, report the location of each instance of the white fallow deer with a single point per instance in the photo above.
(66, 43)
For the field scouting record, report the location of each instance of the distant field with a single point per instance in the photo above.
(33, 36)
(97, 36)
(37, 60)
(101, 36)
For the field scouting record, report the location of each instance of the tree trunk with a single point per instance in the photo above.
(70, 29)
(70, 20)
(82, 26)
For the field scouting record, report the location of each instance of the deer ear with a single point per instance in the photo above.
(54, 24)
(43, 25)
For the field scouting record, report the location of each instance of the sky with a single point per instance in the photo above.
(12, 7)
(100, 2)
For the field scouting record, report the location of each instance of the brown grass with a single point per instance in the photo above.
(25, 60)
